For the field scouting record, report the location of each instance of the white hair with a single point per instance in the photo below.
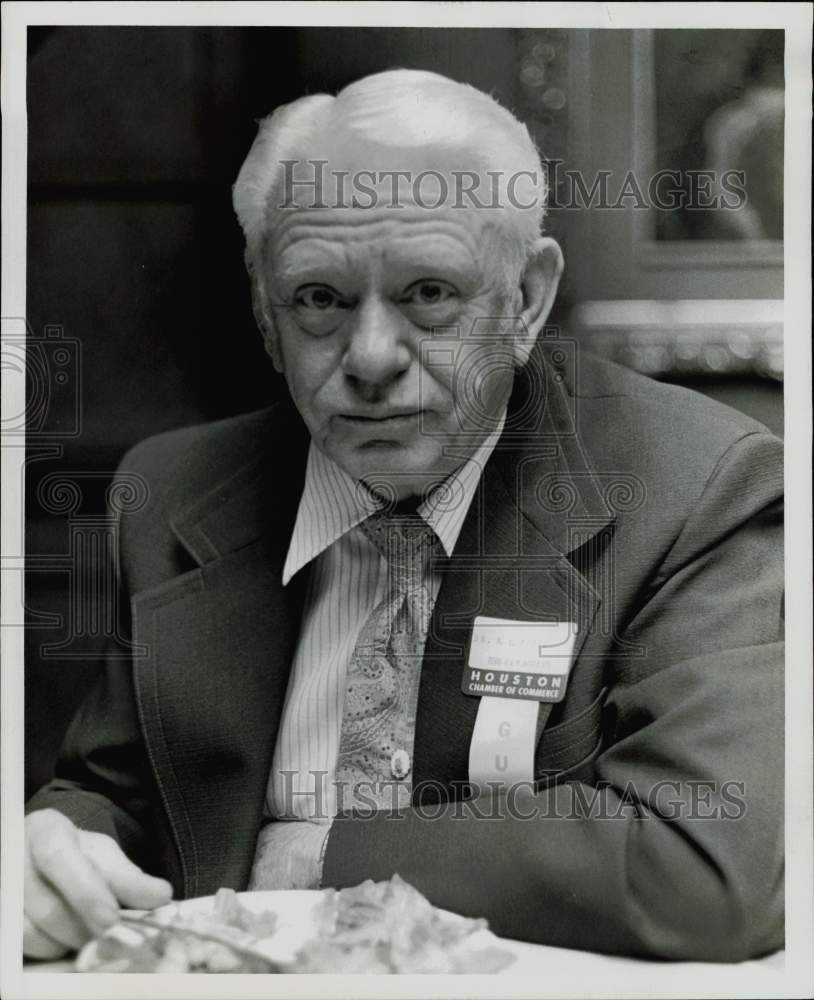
(404, 110)
(407, 108)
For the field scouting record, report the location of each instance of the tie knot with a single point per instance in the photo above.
(405, 540)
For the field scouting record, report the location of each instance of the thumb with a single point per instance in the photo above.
(131, 886)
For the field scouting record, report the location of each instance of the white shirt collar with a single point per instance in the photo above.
(332, 503)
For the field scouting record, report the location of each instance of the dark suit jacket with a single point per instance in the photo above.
(647, 514)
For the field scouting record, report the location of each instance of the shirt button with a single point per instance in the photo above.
(400, 764)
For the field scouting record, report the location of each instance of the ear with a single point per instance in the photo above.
(538, 286)
(264, 319)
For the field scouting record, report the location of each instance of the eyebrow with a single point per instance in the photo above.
(321, 253)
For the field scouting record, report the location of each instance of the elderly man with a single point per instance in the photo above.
(474, 609)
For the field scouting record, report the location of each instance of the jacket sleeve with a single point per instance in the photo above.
(676, 850)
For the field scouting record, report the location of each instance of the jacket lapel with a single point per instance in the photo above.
(220, 640)
(537, 504)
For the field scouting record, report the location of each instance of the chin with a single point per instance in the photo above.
(401, 468)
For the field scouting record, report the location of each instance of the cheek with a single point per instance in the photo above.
(476, 368)
(308, 363)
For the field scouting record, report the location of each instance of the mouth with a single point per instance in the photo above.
(383, 421)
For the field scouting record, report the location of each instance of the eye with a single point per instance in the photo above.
(319, 298)
(320, 309)
(429, 292)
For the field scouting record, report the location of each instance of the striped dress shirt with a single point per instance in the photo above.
(347, 579)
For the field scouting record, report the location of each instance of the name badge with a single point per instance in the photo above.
(524, 660)
(513, 666)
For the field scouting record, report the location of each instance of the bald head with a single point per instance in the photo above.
(402, 137)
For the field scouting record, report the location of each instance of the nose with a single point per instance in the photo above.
(378, 352)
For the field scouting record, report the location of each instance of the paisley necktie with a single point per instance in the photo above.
(374, 765)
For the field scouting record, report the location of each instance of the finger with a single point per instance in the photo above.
(47, 910)
(36, 944)
(58, 858)
(131, 886)
(49, 914)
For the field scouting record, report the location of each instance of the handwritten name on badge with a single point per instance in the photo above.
(512, 659)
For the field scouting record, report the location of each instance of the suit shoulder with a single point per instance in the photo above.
(674, 440)
(682, 420)
(189, 461)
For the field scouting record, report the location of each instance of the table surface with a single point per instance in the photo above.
(531, 958)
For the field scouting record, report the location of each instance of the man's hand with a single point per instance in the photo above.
(74, 882)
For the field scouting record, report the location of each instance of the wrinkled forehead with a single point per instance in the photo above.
(382, 241)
